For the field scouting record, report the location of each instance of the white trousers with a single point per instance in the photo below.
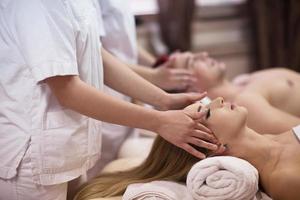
(22, 187)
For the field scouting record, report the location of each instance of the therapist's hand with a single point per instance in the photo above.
(168, 77)
(181, 100)
(182, 129)
(182, 60)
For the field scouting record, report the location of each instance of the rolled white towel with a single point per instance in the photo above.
(157, 190)
(223, 178)
(261, 196)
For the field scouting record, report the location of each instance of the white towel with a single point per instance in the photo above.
(223, 178)
(157, 190)
(261, 196)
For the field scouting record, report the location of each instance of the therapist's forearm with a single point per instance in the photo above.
(145, 57)
(146, 73)
(121, 78)
(79, 96)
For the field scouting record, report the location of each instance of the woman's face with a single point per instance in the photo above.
(224, 119)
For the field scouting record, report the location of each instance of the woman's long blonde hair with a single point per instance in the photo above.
(165, 162)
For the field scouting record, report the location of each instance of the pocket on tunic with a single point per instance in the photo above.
(62, 118)
(64, 144)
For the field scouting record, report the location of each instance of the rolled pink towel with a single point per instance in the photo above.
(223, 178)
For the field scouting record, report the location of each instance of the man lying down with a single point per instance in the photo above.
(263, 93)
(276, 157)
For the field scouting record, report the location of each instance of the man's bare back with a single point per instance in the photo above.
(272, 97)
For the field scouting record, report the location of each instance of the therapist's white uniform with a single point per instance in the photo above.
(120, 40)
(44, 145)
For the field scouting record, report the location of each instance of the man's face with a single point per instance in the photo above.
(208, 71)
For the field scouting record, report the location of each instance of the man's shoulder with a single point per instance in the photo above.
(247, 97)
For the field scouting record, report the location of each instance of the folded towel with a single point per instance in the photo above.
(157, 190)
(223, 178)
(261, 196)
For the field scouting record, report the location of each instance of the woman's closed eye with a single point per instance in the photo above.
(199, 108)
(207, 114)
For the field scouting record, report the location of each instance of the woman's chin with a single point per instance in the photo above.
(243, 109)
(243, 114)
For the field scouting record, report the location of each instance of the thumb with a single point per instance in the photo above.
(170, 63)
(196, 96)
(201, 55)
(175, 53)
(196, 116)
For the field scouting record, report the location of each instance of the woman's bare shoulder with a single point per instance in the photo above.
(285, 184)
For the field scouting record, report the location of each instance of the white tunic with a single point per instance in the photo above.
(41, 39)
(120, 32)
(119, 40)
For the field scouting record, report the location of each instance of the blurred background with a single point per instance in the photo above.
(247, 35)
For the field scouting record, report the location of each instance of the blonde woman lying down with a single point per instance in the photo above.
(276, 157)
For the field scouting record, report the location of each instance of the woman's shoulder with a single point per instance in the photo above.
(285, 183)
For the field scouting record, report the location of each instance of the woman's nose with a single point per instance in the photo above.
(217, 103)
